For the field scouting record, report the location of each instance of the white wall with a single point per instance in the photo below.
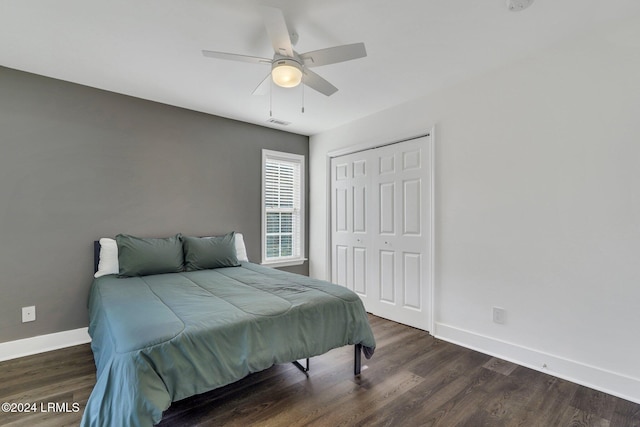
(537, 207)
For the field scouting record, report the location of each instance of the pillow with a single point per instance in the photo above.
(241, 250)
(140, 257)
(210, 252)
(108, 263)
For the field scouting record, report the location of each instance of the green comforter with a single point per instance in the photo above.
(161, 338)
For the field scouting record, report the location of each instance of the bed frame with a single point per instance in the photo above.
(357, 358)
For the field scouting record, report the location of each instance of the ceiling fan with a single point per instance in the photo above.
(288, 67)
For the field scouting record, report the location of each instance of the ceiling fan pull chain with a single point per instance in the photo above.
(302, 98)
(271, 98)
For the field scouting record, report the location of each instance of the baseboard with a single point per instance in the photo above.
(43, 343)
(613, 383)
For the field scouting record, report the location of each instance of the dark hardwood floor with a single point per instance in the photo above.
(412, 380)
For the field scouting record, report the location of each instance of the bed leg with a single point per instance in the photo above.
(357, 359)
(304, 369)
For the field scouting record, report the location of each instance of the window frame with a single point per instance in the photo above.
(299, 258)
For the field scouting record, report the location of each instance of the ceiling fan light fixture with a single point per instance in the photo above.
(286, 73)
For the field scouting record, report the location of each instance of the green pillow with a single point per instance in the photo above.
(210, 252)
(140, 257)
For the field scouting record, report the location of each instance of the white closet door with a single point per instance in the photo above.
(381, 229)
(350, 222)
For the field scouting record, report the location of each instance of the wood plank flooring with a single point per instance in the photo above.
(412, 380)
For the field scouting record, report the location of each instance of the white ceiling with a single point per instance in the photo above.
(151, 49)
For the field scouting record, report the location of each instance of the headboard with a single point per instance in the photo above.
(96, 255)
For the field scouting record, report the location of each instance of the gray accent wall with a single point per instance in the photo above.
(77, 164)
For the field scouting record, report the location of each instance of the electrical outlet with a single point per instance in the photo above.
(29, 314)
(499, 315)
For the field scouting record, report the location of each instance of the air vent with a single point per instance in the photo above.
(517, 5)
(278, 122)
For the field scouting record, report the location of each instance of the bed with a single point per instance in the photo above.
(161, 337)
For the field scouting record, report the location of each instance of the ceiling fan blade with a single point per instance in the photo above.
(263, 87)
(333, 55)
(277, 30)
(316, 82)
(236, 57)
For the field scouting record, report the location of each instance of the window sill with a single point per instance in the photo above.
(283, 263)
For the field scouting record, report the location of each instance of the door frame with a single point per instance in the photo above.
(430, 142)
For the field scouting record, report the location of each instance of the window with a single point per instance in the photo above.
(282, 208)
